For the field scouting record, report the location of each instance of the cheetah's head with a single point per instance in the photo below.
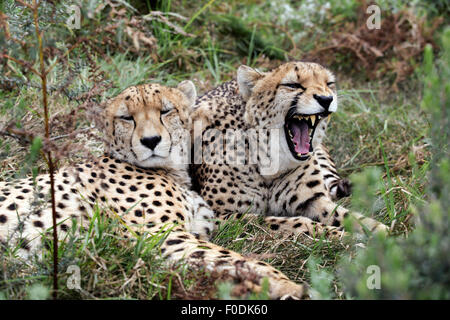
(296, 98)
(146, 125)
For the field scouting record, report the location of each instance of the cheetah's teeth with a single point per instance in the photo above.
(311, 119)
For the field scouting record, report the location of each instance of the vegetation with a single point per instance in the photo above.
(390, 135)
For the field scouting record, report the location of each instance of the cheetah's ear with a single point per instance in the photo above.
(246, 79)
(188, 88)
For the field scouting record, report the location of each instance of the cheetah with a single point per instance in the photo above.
(143, 180)
(284, 113)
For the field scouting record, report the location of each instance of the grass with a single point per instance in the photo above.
(375, 126)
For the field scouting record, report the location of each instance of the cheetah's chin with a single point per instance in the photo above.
(153, 161)
(299, 130)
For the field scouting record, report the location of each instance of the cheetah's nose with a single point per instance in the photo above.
(324, 101)
(151, 142)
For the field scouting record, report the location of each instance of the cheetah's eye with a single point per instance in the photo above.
(294, 86)
(127, 118)
(165, 111)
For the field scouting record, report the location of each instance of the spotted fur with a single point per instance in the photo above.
(143, 180)
(298, 194)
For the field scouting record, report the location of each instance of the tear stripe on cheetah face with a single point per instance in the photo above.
(148, 125)
(296, 99)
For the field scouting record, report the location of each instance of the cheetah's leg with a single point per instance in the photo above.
(303, 193)
(235, 265)
(292, 225)
(202, 223)
(338, 187)
(184, 246)
(303, 225)
(332, 214)
(329, 227)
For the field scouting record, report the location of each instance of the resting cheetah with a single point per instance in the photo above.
(289, 105)
(144, 180)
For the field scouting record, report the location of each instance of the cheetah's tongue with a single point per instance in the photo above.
(301, 137)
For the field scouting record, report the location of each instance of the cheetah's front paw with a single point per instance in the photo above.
(342, 189)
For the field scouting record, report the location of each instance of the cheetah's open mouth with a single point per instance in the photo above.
(299, 130)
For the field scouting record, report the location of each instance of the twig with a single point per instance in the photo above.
(22, 63)
(74, 133)
(49, 158)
